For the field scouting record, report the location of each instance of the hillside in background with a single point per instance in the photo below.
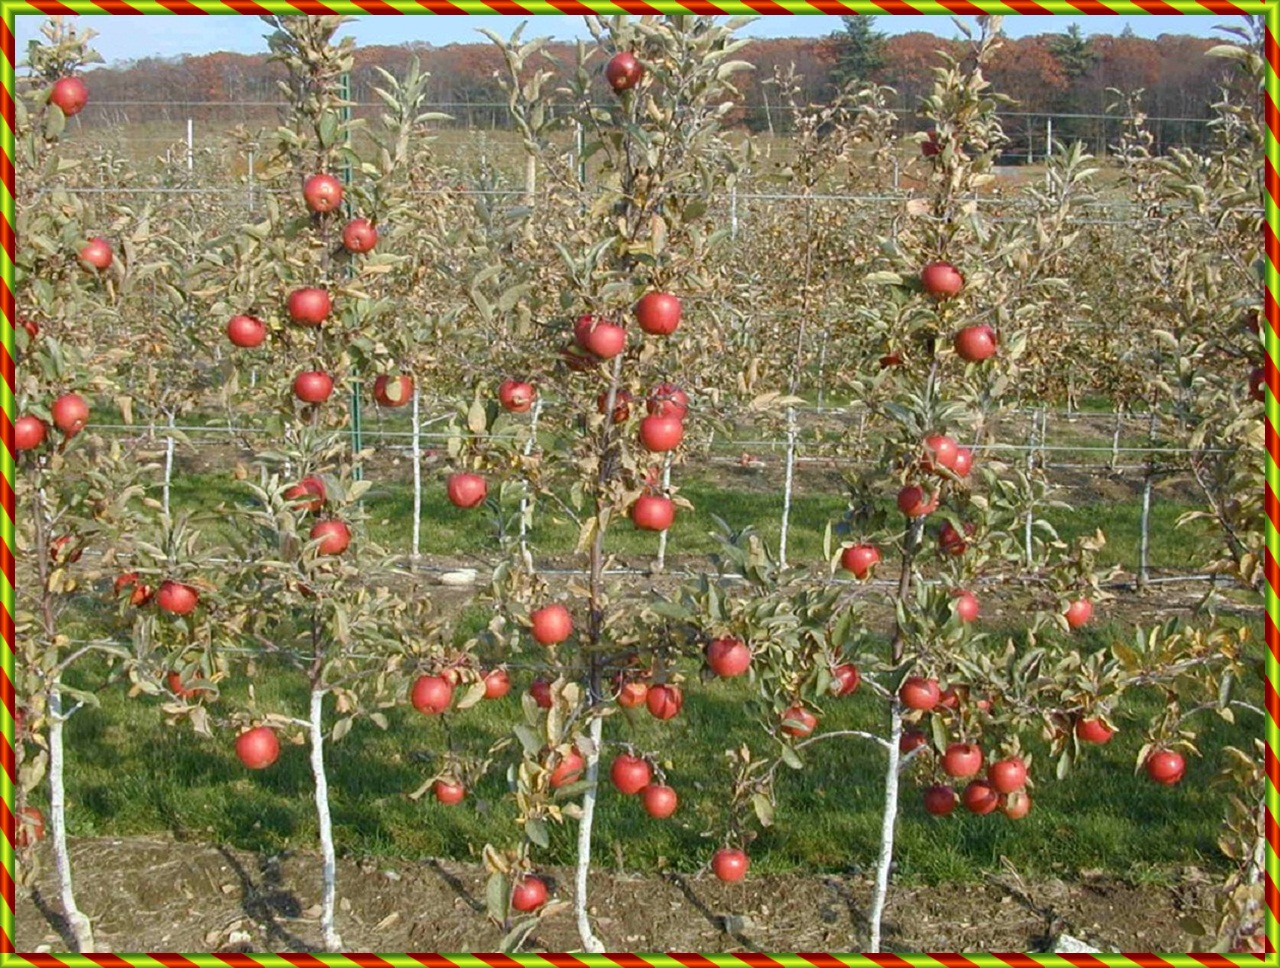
(1048, 74)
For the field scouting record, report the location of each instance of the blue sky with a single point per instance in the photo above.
(128, 38)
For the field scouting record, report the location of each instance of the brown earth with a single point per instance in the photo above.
(156, 894)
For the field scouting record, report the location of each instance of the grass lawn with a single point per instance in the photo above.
(129, 774)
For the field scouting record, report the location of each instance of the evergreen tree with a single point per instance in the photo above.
(859, 50)
(1074, 52)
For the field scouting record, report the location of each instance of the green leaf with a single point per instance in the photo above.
(497, 895)
(536, 829)
(530, 740)
(763, 808)
(328, 129)
(792, 758)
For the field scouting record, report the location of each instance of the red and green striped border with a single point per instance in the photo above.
(10, 8)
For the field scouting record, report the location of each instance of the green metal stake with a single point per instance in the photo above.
(357, 430)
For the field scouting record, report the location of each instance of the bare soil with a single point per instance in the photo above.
(157, 894)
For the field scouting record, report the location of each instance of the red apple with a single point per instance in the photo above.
(798, 721)
(1093, 731)
(914, 502)
(860, 559)
(632, 693)
(920, 693)
(466, 490)
(529, 894)
(911, 739)
(1079, 612)
(359, 236)
(309, 307)
(931, 147)
(258, 748)
(658, 313)
(653, 513)
(307, 495)
(621, 405)
(516, 397)
(334, 537)
(174, 681)
(939, 452)
(966, 606)
(962, 760)
(630, 774)
(950, 541)
(939, 800)
(29, 824)
(1016, 805)
(551, 624)
(623, 71)
(963, 462)
(728, 657)
(845, 679)
(567, 770)
(941, 279)
(177, 598)
(322, 193)
(246, 332)
(449, 792)
(668, 400)
(497, 684)
(979, 798)
(97, 254)
(431, 695)
(730, 865)
(661, 434)
(664, 702)
(1006, 776)
(659, 800)
(975, 343)
(391, 393)
(29, 432)
(599, 337)
(70, 413)
(313, 386)
(540, 690)
(69, 95)
(1166, 767)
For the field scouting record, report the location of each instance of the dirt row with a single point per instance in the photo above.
(158, 894)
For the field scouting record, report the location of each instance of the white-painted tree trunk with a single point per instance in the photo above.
(786, 487)
(332, 942)
(168, 465)
(662, 538)
(884, 863)
(417, 479)
(524, 498)
(81, 930)
(590, 943)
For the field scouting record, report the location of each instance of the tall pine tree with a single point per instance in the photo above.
(859, 50)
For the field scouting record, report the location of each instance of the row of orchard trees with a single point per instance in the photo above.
(600, 295)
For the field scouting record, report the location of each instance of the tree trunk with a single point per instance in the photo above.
(590, 943)
(332, 942)
(884, 864)
(79, 924)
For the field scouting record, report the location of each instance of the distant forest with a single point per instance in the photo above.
(1059, 74)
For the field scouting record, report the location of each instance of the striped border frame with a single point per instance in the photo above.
(10, 8)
